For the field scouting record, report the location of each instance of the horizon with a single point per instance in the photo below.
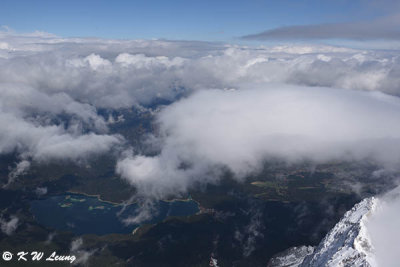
(255, 23)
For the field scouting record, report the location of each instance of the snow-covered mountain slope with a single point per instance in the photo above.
(347, 244)
(291, 257)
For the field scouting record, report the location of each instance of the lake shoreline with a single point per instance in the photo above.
(98, 196)
(79, 213)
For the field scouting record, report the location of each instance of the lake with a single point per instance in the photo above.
(89, 215)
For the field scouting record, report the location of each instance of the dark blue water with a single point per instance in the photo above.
(88, 215)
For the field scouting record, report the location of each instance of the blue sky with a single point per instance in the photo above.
(189, 20)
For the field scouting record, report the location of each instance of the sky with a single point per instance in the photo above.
(207, 20)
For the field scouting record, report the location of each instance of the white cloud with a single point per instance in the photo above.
(240, 129)
(41, 191)
(49, 142)
(142, 61)
(43, 76)
(96, 61)
(21, 168)
(82, 256)
(383, 229)
(9, 227)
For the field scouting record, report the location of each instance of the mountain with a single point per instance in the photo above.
(347, 244)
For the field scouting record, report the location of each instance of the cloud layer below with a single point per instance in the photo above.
(238, 110)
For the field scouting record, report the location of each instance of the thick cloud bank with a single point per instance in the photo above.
(241, 129)
(52, 88)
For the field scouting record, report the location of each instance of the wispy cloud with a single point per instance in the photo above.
(9, 226)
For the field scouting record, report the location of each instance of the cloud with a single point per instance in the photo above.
(41, 191)
(252, 232)
(82, 256)
(385, 28)
(50, 141)
(21, 168)
(9, 227)
(239, 130)
(383, 229)
(147, 211)
(52, 88)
